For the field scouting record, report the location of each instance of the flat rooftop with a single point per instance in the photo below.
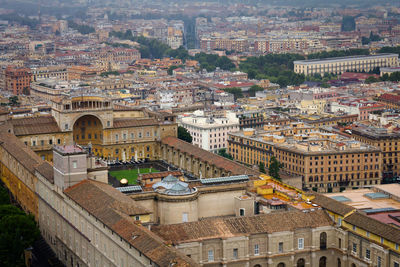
(390, 189)
(361, 199)
(335, 59)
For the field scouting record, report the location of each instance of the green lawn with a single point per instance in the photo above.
(131, 174)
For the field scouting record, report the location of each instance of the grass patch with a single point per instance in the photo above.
(131, 174)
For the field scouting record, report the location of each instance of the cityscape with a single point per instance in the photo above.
(173, 133)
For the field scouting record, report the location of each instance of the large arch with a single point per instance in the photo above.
(281, 264)
(88, 129)
(322, 262)
(301, 263)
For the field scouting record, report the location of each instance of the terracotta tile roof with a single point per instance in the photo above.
(112, 208)
(390, 97)
(240, 226)
(332, 204)
(153, 175)
(123, 123)
(46, 170)
(374, 226)
(35, 125)
(220, 162)
(22, 153)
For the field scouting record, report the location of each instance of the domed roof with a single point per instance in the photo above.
(178, 189)
(170, 179)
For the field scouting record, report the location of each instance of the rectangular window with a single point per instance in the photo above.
(340, 221)
(185, 217)
(367, 254)
(396, 264)
(300, 243)
(211, 255)
(74, 164)
(340, 243)
(124, 136)
(235, 253)
(379, 261)
(116, 137)
(241, 212)
(256, 249)
(280, 247)
(354, 247)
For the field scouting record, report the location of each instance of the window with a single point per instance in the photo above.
(58, 141)
(185, 217)
(367, 254)
(280, 247)
(340, 221)
(381, 240)
(235, 253)
(241, 212)
(116, 137)
(74, 164)
(33, 143)
(354, 247)
(66, 126)
(379, 261)
(108, 123)
(300, 243)
(340, 243)
(211, 255)
(396, 264)
(354, 228)
(256, 249)
(397, 246)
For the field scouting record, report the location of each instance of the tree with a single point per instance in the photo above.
(13, 100)
(274, 167)
(371, 79)
(171, 69)
(222, 152)
(184, 135)
(261, 167)
(17, 232)
(254, 89)
(236, 91)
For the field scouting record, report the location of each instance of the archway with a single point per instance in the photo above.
(353, 265)
(301, 263)
(339, 263)
(322, 262)
(281, 264)
(86, 130)
(322, 240)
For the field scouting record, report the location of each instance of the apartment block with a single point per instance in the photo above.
(340, 65)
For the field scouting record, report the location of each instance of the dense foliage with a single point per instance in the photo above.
(222, 152)
(390, 49)
(18, 231)
(338, 53)
(278, 68)
(81, 28)
(153, 48)
(274, 167)
(236, 91)
(255, 88)
(211, 62)
(372, 38)
(184, 135)
(32, 23)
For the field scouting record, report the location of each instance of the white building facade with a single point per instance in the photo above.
(210, 132)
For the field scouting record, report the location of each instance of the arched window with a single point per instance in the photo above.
(353, 265)
(310, 179)
(301, 263)
(281, 264)
(322, 240)
(339, 263)
(322, 262)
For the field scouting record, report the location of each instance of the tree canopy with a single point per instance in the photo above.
(222, 152)
(274, 167)
(184, 135)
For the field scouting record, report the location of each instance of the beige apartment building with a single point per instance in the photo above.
(326, 161)
(339, 65)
